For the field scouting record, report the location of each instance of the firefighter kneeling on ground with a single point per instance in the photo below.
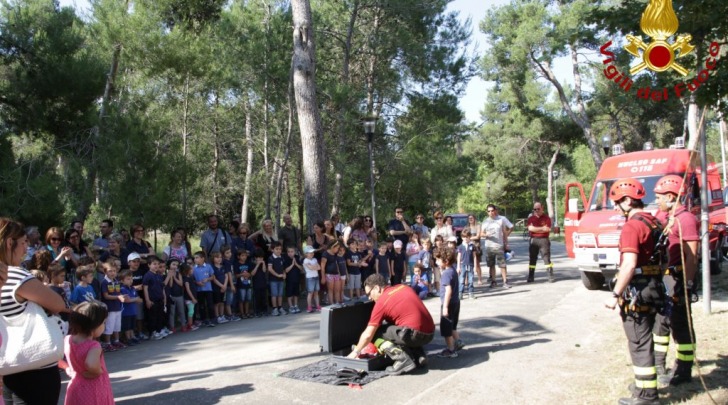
(683, 235)
(638, 287)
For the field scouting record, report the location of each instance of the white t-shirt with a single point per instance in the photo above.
(492, 231)
(306, 265)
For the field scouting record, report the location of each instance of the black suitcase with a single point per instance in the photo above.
(341, 326)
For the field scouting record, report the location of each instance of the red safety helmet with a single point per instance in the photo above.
(671, 183)
(627, 188)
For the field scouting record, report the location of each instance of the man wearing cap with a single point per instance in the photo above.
(409, 325)
(683, 236)
(398, 228)
(494, 236)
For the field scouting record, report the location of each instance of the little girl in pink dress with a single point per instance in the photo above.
(90, 384)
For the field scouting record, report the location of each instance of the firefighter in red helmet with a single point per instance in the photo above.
(683, 236)
(636, 287)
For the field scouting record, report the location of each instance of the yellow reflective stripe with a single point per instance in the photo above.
(684, 357)
(645, 383)
(644, 370)
(660, 348)
(550, 265)
(661, 339)
(686, 347)
(531, 267)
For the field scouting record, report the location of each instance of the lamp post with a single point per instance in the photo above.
(369, 125)
(606, 143)
(555, 175)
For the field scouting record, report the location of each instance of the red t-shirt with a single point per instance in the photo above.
(537, 221)
(636, 238)
(689, 227)
(399, 305)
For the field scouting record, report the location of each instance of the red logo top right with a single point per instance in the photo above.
(660, 53)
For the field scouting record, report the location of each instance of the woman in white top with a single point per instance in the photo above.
(43, 385)
(440, 228)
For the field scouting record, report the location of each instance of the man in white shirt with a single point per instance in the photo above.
(494, 236)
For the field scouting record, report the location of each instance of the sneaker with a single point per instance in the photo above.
(157, 336)
(551, 275)
(258, 315)
(471, 296)
(119, 345)
(210, 324)
(194, 327)
(221, 319)
(346, 299)
(493, 284)
(132, 342)
(235, 318)
(167, 332)
(282, 311)
(275, 312)
(318, 308)
(108, 348)
(198, 323)
(142, 336)
(447, 353)
(309, 310)
(506, 285)
(459, 345)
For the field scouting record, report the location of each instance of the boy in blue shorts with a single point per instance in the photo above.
(277, 275)
(243, 283)
(293, 267)
(129, 309)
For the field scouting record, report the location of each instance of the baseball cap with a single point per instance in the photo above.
(308, 249)
(452, 239)
(133, 256)
(397, 243)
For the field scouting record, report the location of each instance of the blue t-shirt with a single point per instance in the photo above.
(239, 269)
(466, 254)
(82, 294)
(293, 275)
(383, 262)
(129, 308)
(425, 257)
(330, 267)
(354, 257)
(155, 286)
(219, 275)
(201, 273)
(277, 263)
(111, 287)
(399, 262)
(449, 277)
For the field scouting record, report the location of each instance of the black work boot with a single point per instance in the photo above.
(638, 401)
(531, 273)
(419, 356)
(682, 373)
(403, 363)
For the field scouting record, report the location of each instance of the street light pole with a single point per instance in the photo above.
(369, 125)
(555, 175)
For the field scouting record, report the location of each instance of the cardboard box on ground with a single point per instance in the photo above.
(341, 326)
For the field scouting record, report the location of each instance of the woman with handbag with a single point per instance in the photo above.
(30, 369)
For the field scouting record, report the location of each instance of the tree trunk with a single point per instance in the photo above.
(266, 164)
(550, 203)
(215, 162)
(281, 169)
(309, 119)
(185, 136)
(249, 165)
(579, 117)
(341, 116)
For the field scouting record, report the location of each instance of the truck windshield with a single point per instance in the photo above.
(600, 195)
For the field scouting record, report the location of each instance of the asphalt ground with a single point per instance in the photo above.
(521, 343)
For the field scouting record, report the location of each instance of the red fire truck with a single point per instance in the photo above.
(592, 227)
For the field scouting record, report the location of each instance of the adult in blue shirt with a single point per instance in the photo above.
(398, 228)
(213, 238)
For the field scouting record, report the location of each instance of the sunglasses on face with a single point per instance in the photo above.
(55, 239)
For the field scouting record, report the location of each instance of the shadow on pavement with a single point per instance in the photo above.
(716, 379)
(191, 395)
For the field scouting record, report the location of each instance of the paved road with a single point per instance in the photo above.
(509, 334)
